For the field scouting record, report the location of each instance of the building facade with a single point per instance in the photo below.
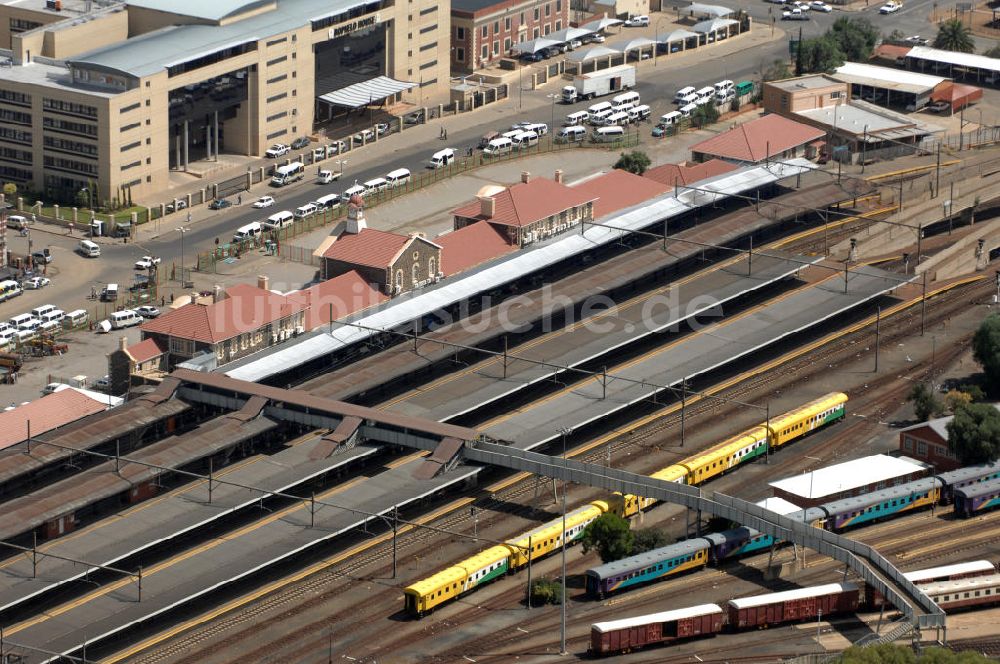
(804, 93)
(108, 102)
(397, 263)
(483, 31)
(928, 442)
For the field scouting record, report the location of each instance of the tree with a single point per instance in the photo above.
(635, 161)
(925, 404)
(992, 52)
(820, 54)
(647, 539)
(896, 35)
(610, 535)
(956, 399)
(974, 391)
(986, 349)
(974, 434)
(855, 38)
(705, 114)
(10, 189)
(886, 653)
(544, 591)
(800, 63)
(953, 35)
(777, 71)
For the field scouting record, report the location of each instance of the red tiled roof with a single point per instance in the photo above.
(752, 141)
(246, 308)
(618, 189)
(370, 247)
(470, 246)
(346, 293)
(687, 173)
(145, 350)
(891, 51)
(958, 94)
(525, 203)
(49, 412)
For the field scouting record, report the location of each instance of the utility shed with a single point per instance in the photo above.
(848, 479)
(887, 86)
(958, 96)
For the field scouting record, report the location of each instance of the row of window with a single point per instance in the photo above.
(15, 117)
(70, 127)
(15, 135)
(13, 154)
(655, 568)
(69, 107)
(23, 25)
(15, 98)
(211, 58)
(67, 145)
(130, 107)
(132, 165)
(959, 596)
(72, 165)
(14, 173)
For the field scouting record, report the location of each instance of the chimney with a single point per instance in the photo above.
(525, 177)
(487, 206)
(217, 294)
(263, 282)
(559, 176)
(195, 297)
(122, 343)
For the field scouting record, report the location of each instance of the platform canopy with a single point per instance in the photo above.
(568, 34)
(632, 44)
(587, 54)
(677, 35)
(709, 10)
(599, 24)
(535, 45)
(366, 92)
(713, 25)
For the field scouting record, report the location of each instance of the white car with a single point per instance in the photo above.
(277, 150)
(147, 311)
(889, 8)
(146, 262)
(820, 6)
(263, 202)
(918, 40)
(597, 39)
(364, 136)
(640, 21)
(34, 283)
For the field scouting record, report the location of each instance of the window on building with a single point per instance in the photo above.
(429, 10)
(496, 27)
(431, 267)
(23, 25)
(15, 98)
(835, 94)
(428, 65)
(921, 448)
(277, 61)
(506, 45)
(486, 52)
(277, 79)
(459, 32)
(415, 274)
(132, 107)
(548, 28)
(558, 6)
(537, 16)
(496, 48)
(399, 280)
(534, 33)
(460, 54)
(558, 25)
(429, 28)
(277, 97)
(131, 146)
(506, 24)
(486, 31)
(548, 9)
(427, 47)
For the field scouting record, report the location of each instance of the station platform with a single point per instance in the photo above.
(180, 512)
(172, 584)
(703, 294)
(689, 357)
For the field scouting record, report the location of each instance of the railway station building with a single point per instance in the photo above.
(106, 97)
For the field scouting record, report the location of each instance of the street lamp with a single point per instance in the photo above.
(90, 198)
(562, 640)
(552, 121)
(182, 230)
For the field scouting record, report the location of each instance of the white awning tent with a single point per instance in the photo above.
(709, 10)
(714, 25)
(593, 53)
(568, 34)
(632, 44)
(535, 45)
(677, 35)
(599, 24)
(366, 92)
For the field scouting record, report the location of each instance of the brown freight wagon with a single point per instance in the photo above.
(792, 605)
(618, 636)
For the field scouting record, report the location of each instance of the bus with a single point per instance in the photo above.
(9, 289)
(744, 88)
(288, 173)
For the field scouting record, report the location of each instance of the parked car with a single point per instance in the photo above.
(820, 6)
(597, 39)
(889, 8)
(34, 283)
(300, 142)
(364, 135)
(277, 150)
(381, 128)
(918, 40)
(219, 204)
(939, 107)
(102, 384)
(41, 256)
(538, 56)
(416, 117)
(337, 147)
(794, 15)
(263, 202)
(575, 44)
(640, 21)
(146, 262)
(147, 311)
(173, 206)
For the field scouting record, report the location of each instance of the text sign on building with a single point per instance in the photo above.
(353, 26)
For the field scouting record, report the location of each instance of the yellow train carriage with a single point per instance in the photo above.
(426, 594)
(632, 504)
(813, 415)
(729, 454)
(548, 537)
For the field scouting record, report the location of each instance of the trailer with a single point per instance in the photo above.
(599, 83)
(617, 636)
(793, 605)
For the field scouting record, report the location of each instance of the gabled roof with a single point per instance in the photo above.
(755, 140)
(470, 246)
(525, 203)
(674, 174)
(370, 248)
(618, 189)
(938, 425)
(47, 413)
(146, 350)
(246, 308)
(346, 293)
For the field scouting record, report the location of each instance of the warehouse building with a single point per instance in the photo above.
(109, 99)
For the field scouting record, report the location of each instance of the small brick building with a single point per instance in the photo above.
(928, 441)
(397, 263)
(484, 31)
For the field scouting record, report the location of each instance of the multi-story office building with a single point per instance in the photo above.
(483, 31)
(110, 96)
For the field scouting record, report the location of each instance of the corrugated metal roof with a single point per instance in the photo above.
(950, 570)
(847, 476)
(471, 246)
(45, 414)
(756, 140)
(147, 54)
(955, 58)
(366, 92)
(710, 10)
(648, 558)
(216, 10)
(662, 617)
(411, 306)
(713, 25)
(886, 78)
(798, 593)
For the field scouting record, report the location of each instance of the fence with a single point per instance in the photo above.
(208, 261)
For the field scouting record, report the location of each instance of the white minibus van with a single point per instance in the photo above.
(123, 319)
(398, 177)
(498, 146)
(625, 100)
(608, 134)
(683, 94)
(328, 202)
(247, 232)
(599, 107)
(278, 220)
(573, 134)
(39, 312)
(89, 249)
(618, 118)
(597, 119)
(524, 140)
(577, 118)
(671, 118)
(375, 185)
(441, 158)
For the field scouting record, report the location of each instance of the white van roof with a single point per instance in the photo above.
(323, 200)
(398, 173)
(440, 154)
(374, 182)
(253, 225)
(611, 130)
(573, 129)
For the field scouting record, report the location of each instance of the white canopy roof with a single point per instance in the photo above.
(678, 35)
(713, 25)
(535, 45)
(955, 58)
(584, 54)
(568, 34)
(631, 44)
(601, 23)
(366, 92)
(710, 10)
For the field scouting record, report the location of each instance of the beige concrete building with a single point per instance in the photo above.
(805, 93)
(109, 96)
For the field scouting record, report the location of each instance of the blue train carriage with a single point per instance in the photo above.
(978, 498)
(741, 541)
(807, 418)
(964, 477)
(645, 567)
(887, 503)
